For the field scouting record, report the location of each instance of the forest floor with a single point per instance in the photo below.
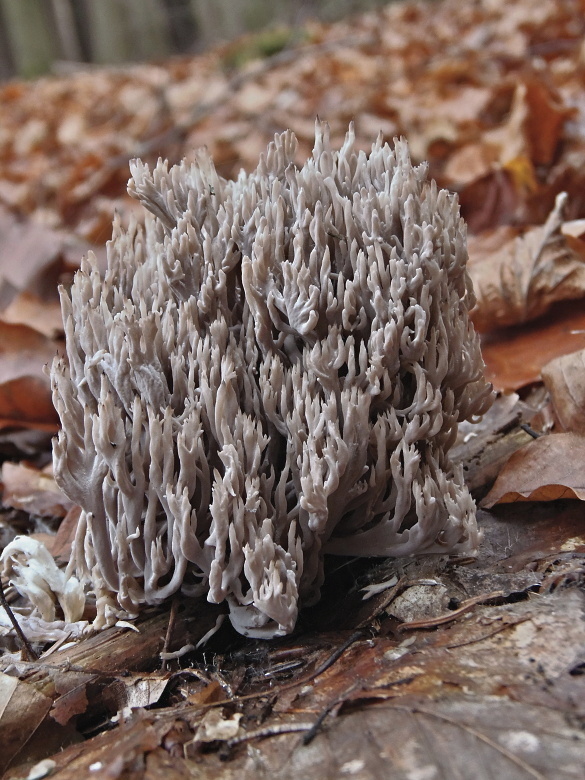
(414, 669)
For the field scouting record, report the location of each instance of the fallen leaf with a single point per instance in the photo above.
(534, 125)
(73, 700)
(210, 693)
(546, 469)
(29, 309)
(529, 274)
(29, 257)
(564, 377)
(470, 162)
(16, 698)
(25, 392)
(216, 726)
(144, 690)
(515, 356)
(33, 490)
(490, 201)
(60, 544)
(420, 602)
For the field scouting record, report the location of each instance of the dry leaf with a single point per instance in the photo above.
(546, 469)
(73, 700)
(470, 162)
(528, 274)
(564, 378)
(216, 726)
(515, 357)
(25, 392)
(534, 125)
(26, 403)
(16, 698)
(29, 309)
(490, 201)
(33, 490)
(143, 690)
(60, 544)
(29, 257)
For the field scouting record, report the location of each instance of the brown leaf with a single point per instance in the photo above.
(16, 698)
(211, 692)
(528, 274)
(469, 163)
(25, 392)
(33, 491)
(29, 309)
(26, 403)
(73, 700)
(564, 378)
(60, 544)
(515, 356)
(490, 201)
(23, 352)
(29, 256)
(534, 125)
(143, 690)
(546, 469)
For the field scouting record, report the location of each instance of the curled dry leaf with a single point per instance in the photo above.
(534, 125)
(546, 469)
(528, 274)
(564, 378)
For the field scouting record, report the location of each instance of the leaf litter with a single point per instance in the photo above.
(485, 658)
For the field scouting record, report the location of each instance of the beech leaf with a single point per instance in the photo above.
(546, 469)
(528, 274)
(564, 378)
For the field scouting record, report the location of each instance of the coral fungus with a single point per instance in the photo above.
(272, 369)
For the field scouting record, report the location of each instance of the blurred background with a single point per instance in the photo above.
(40, 36)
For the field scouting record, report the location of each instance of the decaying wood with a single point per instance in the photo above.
(119, 651)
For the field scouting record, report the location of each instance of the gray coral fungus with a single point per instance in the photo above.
(272, 369)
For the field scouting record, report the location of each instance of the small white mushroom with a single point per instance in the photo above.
(272, 369)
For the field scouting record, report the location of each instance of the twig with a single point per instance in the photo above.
(170, 626)
(314, 730)
(530, 431)
(465, 607)
(28, 648)
(269, 731)
(337, 654)
(41, 665)
(290, 685)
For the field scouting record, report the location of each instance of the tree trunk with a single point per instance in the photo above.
(29, 29)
